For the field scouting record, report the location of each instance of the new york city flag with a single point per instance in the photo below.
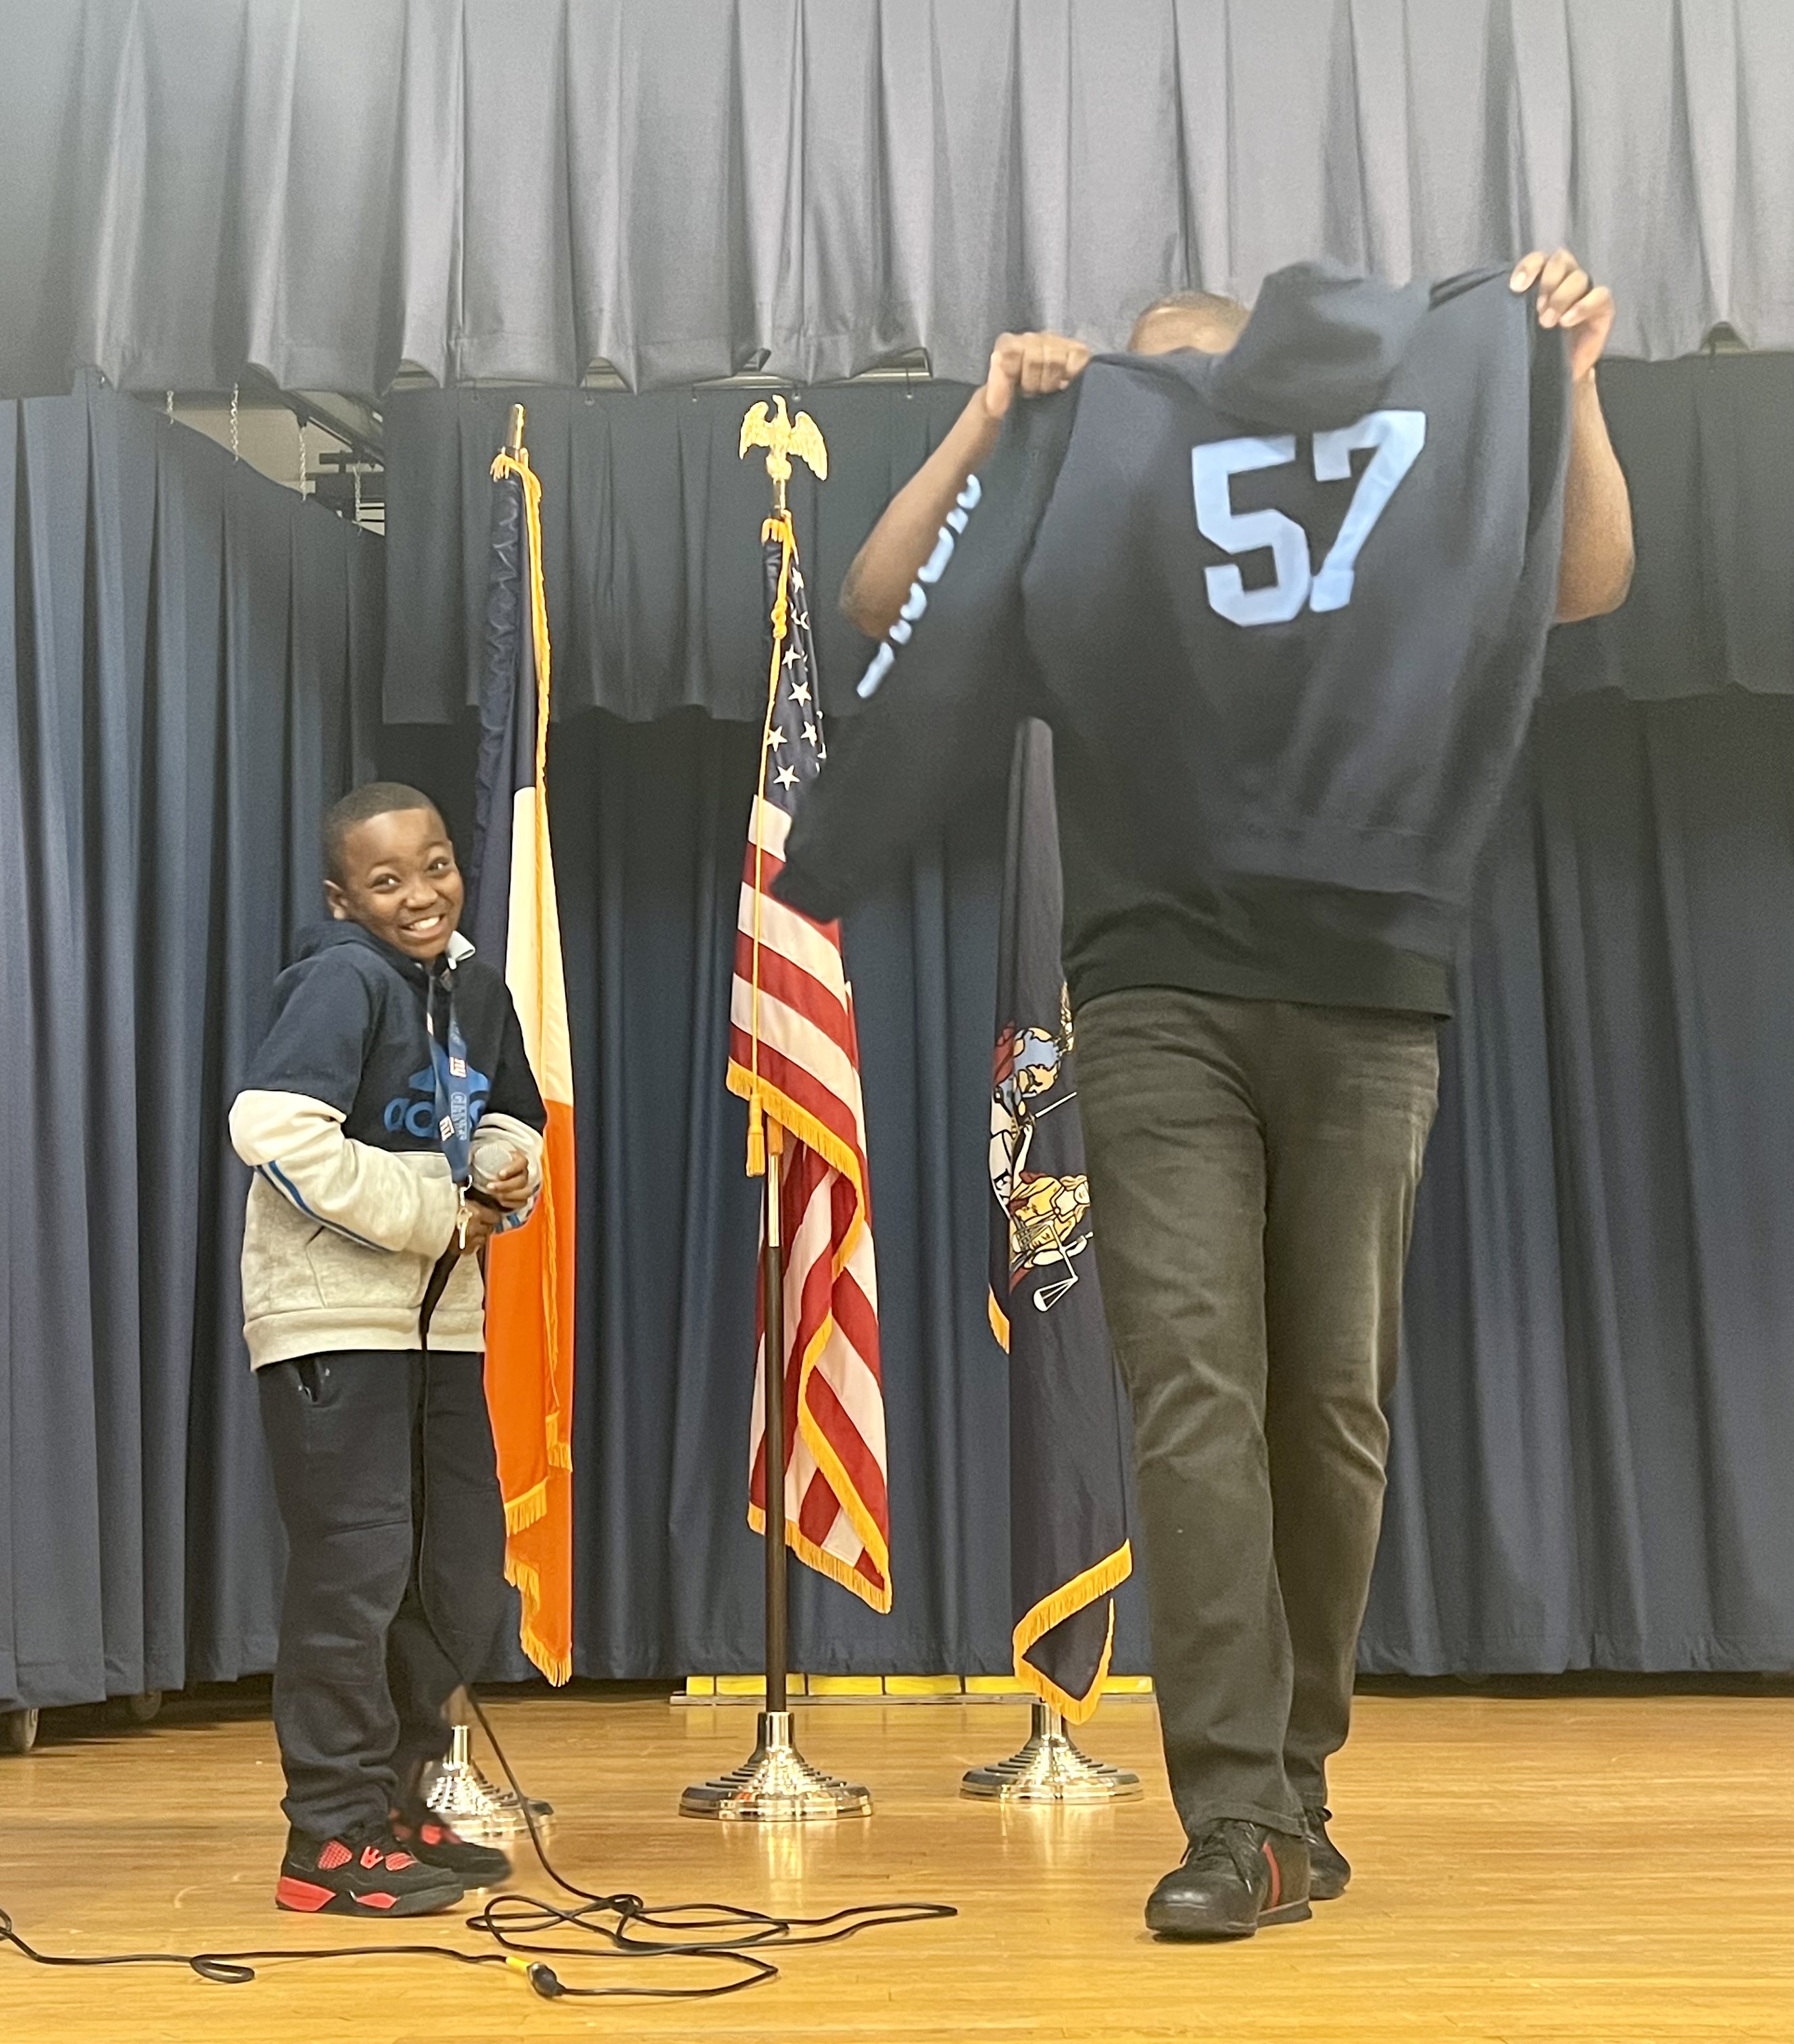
(515, 927)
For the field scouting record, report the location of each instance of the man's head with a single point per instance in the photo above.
(1201, 319)
(388, 866)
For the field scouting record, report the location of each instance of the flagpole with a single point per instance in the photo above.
(1060, 1346)
(457, 1791)
(778, 1566)
(775, 1784)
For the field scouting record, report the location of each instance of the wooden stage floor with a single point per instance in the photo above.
(1575, 1867)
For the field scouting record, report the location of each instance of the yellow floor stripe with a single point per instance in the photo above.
(885, 1689)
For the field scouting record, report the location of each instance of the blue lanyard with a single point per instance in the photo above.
(448, 1063)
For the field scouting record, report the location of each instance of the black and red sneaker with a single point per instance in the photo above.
(365, 1872)
(436, 1844)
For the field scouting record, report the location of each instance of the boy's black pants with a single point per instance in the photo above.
(388, 1486)
(1253, 1172)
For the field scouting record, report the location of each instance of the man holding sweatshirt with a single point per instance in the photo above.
(1280, 584)
(392, 1124)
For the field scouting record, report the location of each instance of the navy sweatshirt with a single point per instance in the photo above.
(352, 1201)
(1286, 611)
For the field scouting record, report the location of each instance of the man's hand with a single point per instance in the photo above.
(1566, 298)
(1036, 364)
(879, 578)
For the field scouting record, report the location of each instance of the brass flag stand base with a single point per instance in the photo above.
(776, 1785)
(467, 1803)
(1050, 1768)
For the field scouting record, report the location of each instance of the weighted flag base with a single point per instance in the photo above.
(467, 1803)
(777, 1785)
(1050, 1768)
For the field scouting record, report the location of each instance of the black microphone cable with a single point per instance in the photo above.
(624, 1924)
(621, 1926)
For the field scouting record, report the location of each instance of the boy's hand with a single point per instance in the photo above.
(476, 1227)
(510, 1187)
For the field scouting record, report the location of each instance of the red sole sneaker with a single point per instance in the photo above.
(312, 1898)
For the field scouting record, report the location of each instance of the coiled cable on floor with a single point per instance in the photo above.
(619, 1926)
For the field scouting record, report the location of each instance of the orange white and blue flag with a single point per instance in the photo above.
(516, 926)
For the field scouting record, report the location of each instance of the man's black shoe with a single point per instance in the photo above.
(436, 1844)
(365, 1872)
(1235, 1877)
(1331, 1870)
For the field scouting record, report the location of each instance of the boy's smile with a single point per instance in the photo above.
(397, 876)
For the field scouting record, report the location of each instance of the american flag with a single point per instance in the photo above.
(794, 1057)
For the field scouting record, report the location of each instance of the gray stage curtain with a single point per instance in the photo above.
(326, 189)
(189, 661)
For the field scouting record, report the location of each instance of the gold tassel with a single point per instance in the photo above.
(526, 1510)
(756, 1140)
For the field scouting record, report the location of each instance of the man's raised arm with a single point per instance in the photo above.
(882, 571)
(1594, 570)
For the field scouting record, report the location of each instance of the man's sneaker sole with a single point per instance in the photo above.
(1328, 1887)
(1190, 1926)
(312, 1898)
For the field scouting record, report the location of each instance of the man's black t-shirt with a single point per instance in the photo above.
(1286, 610)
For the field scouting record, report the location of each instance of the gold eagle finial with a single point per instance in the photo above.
(771, 427)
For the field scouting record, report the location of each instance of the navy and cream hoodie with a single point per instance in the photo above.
(1286, 611)
(352, 1203)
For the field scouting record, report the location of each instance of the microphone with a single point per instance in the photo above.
(490, 1159)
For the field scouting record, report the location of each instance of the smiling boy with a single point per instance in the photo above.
(390, 1115)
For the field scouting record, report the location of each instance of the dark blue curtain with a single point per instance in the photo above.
(649, 821)
(653, 584)
(189, 663)
(649, 517)
(1594, 1418)
(1591, 1432)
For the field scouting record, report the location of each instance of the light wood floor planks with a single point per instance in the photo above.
(1530, 1872)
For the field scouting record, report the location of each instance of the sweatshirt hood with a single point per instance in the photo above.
(1320, 345)
(331, 934)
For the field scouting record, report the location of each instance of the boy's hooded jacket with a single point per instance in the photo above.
(352, 1201)
(1286, 611)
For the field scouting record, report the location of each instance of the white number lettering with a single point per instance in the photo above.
(1214, 466)
(1397, 438)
